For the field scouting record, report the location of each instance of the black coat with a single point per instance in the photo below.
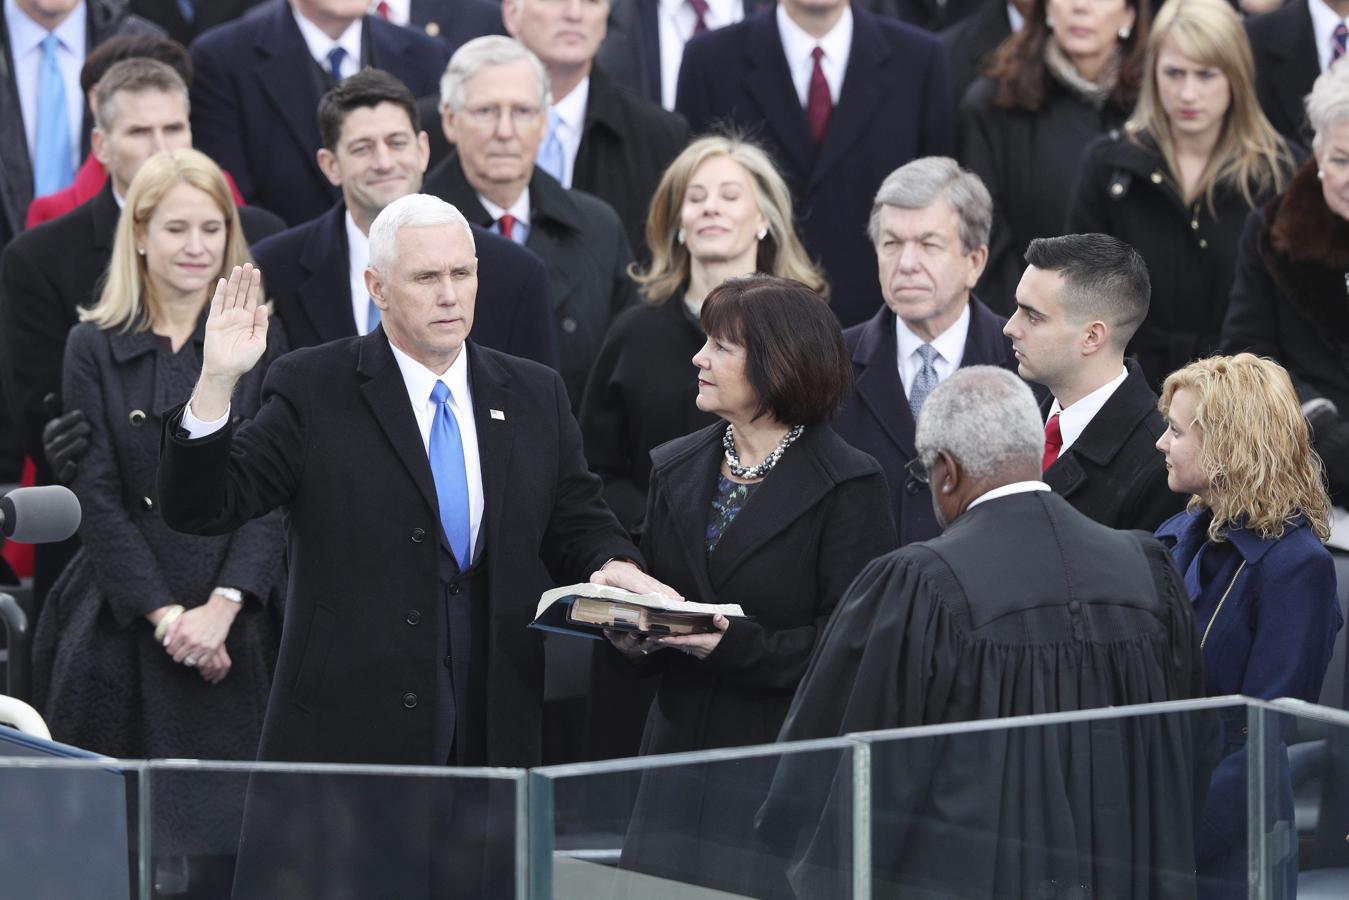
(876, 416)
(895, 107)
(255, 102)
(1290, 303)
(106, 18)
(1125, 190)
(1283, 45)
(306, 270)
(582, 245)
(641, 393)
(167, 14)
(626, 145)
(455, 22)
(971, 41)
(813, 523)
(1114, 472)
(1028, 160)
(46, 274)
(101, 679)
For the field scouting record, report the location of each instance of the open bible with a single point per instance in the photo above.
(588, 609)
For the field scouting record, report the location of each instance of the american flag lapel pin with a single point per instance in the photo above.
(498, 415)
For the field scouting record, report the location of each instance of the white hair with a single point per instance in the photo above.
(412, 211)
(983, 416)
(491, 50)
(921, 182)
(1328, 103)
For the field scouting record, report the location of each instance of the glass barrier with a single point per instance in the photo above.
(717, 824)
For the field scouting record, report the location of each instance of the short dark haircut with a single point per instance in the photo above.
(134, 46)
(794, 354)
(1104, 279)
(367, 88)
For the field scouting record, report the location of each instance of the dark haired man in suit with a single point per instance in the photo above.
(1292, 46)
(839, 97)
(259, 80)
(374, 150)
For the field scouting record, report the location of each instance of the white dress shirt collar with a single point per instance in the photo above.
(26, 35)
(320, 45)
(419, 380)
(571, 114)
(519, 209)
(797, 45)
(1075, 419)
(950, 347)
(1007, 490)
(675, 23)
(1324, 21)
(1014, 18)
(358, 257)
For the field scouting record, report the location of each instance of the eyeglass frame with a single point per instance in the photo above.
(490, 116)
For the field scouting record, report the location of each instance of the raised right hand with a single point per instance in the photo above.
(236, 328)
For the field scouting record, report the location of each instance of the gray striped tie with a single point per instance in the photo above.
(926, 380)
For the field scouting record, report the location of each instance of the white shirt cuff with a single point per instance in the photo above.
(196, 428)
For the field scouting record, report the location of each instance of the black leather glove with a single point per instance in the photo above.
(65, 439)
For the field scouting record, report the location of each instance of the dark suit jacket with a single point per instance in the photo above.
(970, 41)
(895, 107)
(456, 22)
(106, 18)
(581, 242)
(1113, 472)
(255, 100)
(1286, 63)
(876, 416)
(306, 276)
(351, 652)
(626, 145)
(209, 13)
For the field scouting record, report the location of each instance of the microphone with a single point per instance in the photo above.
(39, 515)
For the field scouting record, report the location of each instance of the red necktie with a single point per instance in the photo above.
(1053, 441)
(506, 224)
(699, 10)
(382, 10)
(818, 103)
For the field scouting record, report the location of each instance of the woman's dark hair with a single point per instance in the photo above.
(1018, 65)
(794, 354)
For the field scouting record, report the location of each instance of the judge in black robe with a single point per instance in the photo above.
(1022, 606)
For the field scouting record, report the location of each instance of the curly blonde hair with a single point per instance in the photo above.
(780, 252)
(1255, 447)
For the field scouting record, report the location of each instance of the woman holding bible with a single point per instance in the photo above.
(768, 509)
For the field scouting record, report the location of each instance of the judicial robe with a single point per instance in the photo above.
(1023, 606)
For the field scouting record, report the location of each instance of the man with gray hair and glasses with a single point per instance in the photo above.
(1022, 606)
(929, 225)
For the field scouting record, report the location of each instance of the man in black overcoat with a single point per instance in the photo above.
(929, 226)
(1079, 302)
(1288, 57)
(412, 578)
(1022, 606)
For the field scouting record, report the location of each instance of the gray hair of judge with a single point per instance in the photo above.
(983, 416)
(412, 211)
(492, 50)
(1328, 103)
(920, 183)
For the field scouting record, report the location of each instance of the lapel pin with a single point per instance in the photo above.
(498, 415)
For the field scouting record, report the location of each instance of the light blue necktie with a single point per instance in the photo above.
(335, 57)
(447, 468)
(551, 158)
(54, 167)
(926, 380)
(371, 316)
(188, 9)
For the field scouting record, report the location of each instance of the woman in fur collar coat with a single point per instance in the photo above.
(1290, 296)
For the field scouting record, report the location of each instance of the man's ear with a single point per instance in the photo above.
(97, 145)
(1095, 338)
(374, 286)
(952, 475)
(329, 167)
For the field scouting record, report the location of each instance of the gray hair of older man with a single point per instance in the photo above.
(983, 416)
(492, 50)
(918, 184)
(412, 211)
(1328, 103)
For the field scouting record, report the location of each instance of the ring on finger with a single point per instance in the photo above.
(190, 662)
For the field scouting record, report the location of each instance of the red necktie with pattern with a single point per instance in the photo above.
(818, 102)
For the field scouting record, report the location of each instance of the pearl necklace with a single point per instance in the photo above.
(742, 471)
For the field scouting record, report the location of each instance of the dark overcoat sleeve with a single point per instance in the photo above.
(607, 430)
(34, 323)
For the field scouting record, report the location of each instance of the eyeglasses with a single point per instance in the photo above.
(488, 116)
(916, 470)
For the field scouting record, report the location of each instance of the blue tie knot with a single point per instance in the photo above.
(50, 44)
(335, 57)
(440, 393)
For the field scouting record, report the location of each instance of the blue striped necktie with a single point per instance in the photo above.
(446, 453)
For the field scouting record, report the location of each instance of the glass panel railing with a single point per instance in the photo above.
(326, 831)
(718, 824)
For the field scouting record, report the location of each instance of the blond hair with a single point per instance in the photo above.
(780, 252)
(128, 301)
(1255, 448)
(1249, 156)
